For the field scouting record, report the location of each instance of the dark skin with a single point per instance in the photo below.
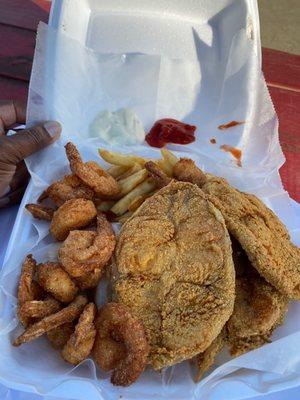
(14, 149)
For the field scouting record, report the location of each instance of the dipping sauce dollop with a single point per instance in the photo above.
(168, 130)
(121, 127)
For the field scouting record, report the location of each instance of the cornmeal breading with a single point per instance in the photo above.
(175, 272)
(258, 309)
(206, 359)
(261, 234)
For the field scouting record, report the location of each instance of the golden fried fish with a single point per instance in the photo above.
(174, 270)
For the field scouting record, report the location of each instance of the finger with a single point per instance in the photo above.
(28, 141)
(12, 178)
(7, 172)
(20, 177)
(11, 112)
(13, 197)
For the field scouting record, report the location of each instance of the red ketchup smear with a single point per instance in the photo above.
(213, 141)
(237, 153)
(170, 130)
(230, 125)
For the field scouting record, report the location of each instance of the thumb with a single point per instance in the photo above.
(28, 141)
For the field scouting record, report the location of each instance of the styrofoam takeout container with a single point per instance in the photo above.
(168, 28)
(150, 26)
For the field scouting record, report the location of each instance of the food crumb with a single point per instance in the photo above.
(213, 141)
(237, 153)
(230, 125)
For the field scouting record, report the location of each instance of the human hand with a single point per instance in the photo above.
(13, 149)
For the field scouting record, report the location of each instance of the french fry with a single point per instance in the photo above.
(165, 167)
(128, 184)
(159, 177)
(120, 159)
(106, 205)
(140, 200)
(123, 218)
(169, 157)
(143, 188)
(117, 170)
(130, 171)
(134, 205)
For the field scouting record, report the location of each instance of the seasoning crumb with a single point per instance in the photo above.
(213, 141)
(230, 125)
(236, 153)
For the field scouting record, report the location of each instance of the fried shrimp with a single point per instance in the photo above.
(68, 188)
(73, 214)
(186, 170)
(112, 352)
(59, 336)
(160, 178)
(67, 314)
(80, 343)
(103, 184)
(90, 280)
(115, 325)
(85, 252)
(55, 280)
(40, 212)
(26, 290)
(38, 292)
(38, 309)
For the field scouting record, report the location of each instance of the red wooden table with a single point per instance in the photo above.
(18, 23)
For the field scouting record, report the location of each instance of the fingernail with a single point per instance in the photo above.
(5, 191)
(53, 128)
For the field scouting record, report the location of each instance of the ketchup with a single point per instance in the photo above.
(230, 125)
(170, 130)
(236, 153)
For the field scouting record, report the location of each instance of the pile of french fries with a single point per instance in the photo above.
(134, 181)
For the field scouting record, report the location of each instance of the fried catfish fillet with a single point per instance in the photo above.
(174, 270)
(261, 234)
(258, 309)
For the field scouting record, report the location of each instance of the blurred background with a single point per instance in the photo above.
(280, 24)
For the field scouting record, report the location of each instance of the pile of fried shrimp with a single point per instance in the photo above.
(56, 299)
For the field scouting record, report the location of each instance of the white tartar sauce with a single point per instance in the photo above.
(121, 127)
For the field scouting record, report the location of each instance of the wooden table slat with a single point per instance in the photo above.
(13, 89)
(16, 52)
(24, 13)
(281, 69)
(287, 106)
